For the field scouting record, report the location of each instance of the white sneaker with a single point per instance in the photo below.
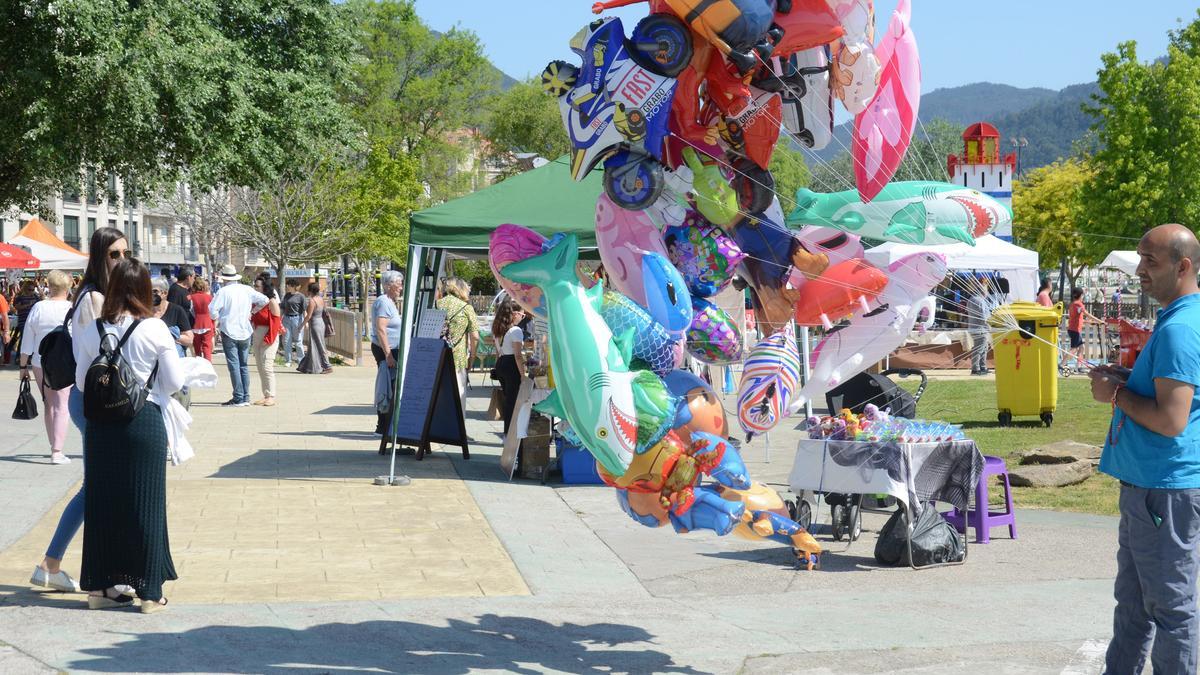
(59, 458)
(59, 581)
(242, 404)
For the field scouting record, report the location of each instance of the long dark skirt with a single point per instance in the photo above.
(510, 384)
(125, 506)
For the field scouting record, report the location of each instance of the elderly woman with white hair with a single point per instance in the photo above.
(43, 318)
(387, 326)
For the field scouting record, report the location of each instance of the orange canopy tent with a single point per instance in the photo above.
(53, 252)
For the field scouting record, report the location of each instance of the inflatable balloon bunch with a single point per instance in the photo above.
(654, 431)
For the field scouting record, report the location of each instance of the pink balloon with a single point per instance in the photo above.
(883, 131)
(624, 237)
(510, 243)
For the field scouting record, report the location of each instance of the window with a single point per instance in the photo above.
(112, 192)
(71, 194)
(91, 227)
(71, 230)
(24, 222)
(112, 223)
(93, 196)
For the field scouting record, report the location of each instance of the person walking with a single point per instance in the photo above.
(510, 366)
(125, 533)
(106, 248)
(43, 318)
(1153, 449)
(294, 305)
(267, 328)
(1077, 315)
(316, 360)
(23, 305)
(202, 326)
(231, 309)
(462, 328)
(386, 329)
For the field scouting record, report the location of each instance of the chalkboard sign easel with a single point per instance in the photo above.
(430, 409)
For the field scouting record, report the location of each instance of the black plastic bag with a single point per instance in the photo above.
(26, 405)
(934, 540)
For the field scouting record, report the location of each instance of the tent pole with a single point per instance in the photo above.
(416, 260)
(806, 354)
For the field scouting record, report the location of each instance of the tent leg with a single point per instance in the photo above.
(416, 261)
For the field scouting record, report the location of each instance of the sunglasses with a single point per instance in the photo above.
(116, 255)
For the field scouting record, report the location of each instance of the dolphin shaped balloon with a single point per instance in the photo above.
(912, 212)
(616, 413)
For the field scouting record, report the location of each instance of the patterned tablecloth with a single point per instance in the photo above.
(914, 473)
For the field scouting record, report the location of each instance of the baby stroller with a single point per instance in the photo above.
(855, 394)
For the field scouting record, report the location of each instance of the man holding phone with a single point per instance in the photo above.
(1153, 448)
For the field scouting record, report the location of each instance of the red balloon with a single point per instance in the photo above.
(811, 23)
(841, 290)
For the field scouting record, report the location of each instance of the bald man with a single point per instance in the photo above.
(1153, 448)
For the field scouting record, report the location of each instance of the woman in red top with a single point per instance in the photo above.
(268, 325)
(202, 324)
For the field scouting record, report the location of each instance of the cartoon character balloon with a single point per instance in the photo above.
(713, 337)
(704, 254)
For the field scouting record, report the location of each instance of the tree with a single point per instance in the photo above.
(411, 88)
(1048, 214)
(205, 214)
(144, 89)
(301, 217)
(525, 119)
(790, 174)
(385, 192)
(1147, 166)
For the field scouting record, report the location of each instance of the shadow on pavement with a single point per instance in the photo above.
(357, 409)
(27, 596)
(491, 642)
(299, 464)
(346, 435)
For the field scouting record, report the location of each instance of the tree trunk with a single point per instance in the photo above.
(280, 281)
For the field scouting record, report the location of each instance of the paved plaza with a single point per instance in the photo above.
(290, 559)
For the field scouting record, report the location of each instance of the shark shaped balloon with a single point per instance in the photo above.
(911, 212)
(615, 412)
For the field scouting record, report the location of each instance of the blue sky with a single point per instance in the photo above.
(1025, 43)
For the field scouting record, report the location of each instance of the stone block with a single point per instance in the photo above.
(1051, 475)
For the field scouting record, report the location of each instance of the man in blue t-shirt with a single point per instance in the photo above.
(1153, 448)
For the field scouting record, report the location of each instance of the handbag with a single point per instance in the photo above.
(329, 332)
(26, 405)
(495, 409)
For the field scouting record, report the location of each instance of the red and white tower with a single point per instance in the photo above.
(981, 166)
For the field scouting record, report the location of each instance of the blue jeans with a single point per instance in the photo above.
(72, 515)
(291, 335)
(1155, 587)
(237, 357)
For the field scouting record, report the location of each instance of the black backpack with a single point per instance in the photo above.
(57, 351)
(111, 390)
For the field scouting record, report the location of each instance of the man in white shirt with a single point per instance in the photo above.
(231, 308)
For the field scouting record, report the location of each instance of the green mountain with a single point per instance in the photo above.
(1050, 120)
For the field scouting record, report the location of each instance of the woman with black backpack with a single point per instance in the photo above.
(127, 367)
(106, 248)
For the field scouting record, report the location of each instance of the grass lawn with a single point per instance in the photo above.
(972, 403)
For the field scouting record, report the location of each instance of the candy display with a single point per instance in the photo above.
(877, 426)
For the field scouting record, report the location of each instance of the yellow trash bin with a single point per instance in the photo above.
(1026, 361)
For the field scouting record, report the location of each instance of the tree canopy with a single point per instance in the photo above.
(228, 89)
(1048, 214)
(1147, 164)
(525, 119)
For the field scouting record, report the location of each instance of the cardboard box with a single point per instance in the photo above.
(535, 456)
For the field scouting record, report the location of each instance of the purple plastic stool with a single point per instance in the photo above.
(980, 517)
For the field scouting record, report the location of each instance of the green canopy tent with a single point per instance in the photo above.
(546, 200)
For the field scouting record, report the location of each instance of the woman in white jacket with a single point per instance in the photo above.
(125, 509)
(45, 316)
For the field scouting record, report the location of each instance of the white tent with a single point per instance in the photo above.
(1018, 265)
(1126, 261)
(45, 246)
